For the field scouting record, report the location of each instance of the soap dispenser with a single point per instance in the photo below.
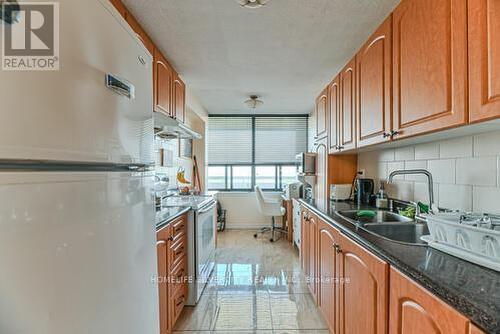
(382, 201)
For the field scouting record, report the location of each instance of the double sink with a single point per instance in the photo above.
(389, 225)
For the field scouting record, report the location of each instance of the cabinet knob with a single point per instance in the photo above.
(395, 133)
(338, 250)
(170, 238)
(387, 134)
(340, 148)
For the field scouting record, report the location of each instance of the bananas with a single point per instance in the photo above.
(181, 177)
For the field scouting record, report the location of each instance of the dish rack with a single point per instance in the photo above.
(472, 237)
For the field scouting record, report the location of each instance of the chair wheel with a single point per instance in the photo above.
(255, 235)
(272, 240)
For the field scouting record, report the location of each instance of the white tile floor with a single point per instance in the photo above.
(257, 287)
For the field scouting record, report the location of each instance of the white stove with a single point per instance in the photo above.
(196, 202)
(202, 231)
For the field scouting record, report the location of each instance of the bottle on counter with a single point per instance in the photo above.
(382, 200)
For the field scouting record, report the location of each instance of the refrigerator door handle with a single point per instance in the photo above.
(120, 86)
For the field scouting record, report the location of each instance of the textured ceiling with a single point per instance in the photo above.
(284, 52)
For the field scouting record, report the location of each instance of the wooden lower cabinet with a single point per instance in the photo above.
(357, 292)
(414, 310)
(172, 272)
(312, 252)
(308, 252)
(328, 273)
(362, 291)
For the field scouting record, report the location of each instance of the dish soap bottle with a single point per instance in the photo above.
(382, 201)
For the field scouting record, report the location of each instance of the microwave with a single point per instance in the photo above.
(306, 163)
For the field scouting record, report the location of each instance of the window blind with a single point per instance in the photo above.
(230, 140)
(279, 139)
(256, 140)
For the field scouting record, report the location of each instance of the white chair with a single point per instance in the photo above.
(269, 209)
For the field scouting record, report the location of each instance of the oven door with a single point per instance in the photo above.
(205, 242)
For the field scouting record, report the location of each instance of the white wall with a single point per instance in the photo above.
(242, 210)
(465, 170)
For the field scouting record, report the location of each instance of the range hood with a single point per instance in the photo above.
(167, 127)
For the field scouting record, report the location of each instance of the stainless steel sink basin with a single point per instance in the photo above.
(389, 225)
(408, 233)
(380, 217)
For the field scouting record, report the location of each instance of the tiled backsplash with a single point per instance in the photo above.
(465, 170)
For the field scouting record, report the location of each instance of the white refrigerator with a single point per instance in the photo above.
(77, 220)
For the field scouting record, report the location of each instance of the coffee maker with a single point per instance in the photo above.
(364, 191)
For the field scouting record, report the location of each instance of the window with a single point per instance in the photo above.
(265, 177)
(241, 177)
(217, 177)
(288, 174)
(244, 151)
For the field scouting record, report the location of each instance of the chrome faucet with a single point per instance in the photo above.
(414, 172)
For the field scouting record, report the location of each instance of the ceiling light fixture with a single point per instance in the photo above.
(252, 3)
(253, 102)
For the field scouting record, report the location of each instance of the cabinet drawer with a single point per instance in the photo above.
(177, 251)
(178, 229)
(178, 277)
(177, 303)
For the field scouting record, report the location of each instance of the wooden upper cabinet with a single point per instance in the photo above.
(414, 310)
(430, 65)
(333, 136)
(163, 79)
(321, 191)
(141, 34)
(322, 112)
(327, 273)
(179, 98)
(347, 119)
(374, 103)
(119, 7)
(484, 59)
(363, 303)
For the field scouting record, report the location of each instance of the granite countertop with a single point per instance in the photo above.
(472, 290)
(167, 214)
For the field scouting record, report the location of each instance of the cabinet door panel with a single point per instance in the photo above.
(429, 58)
(348, 103)
(484, 59)
(374, 69)
(334, 92)
(312, 253)
(413, 310)
(327, 273)
(321, 195)
(179, 96)
(365, 292)
(304, 242)
(163, 288)
(322, 111)
(163, 78)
